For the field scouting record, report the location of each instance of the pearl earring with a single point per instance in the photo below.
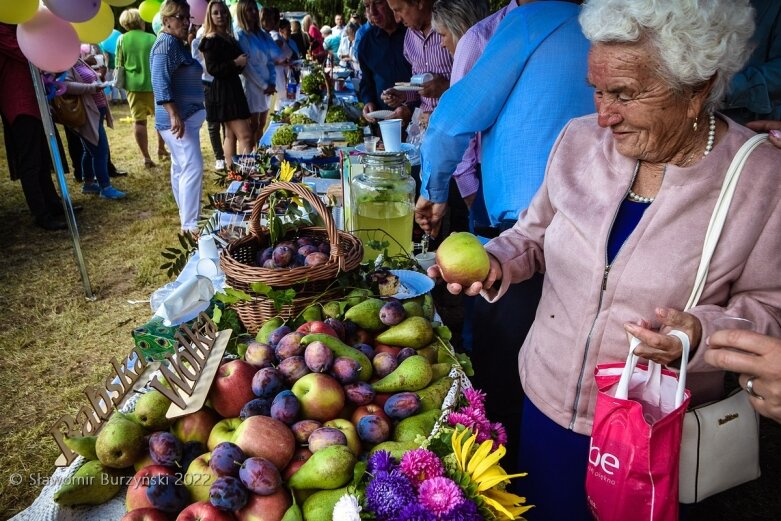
(694, 126)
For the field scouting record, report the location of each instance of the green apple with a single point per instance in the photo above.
(348, 429)
(223, 430)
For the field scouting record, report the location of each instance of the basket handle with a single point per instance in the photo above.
(305, 193)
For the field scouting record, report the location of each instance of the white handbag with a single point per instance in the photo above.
(720, 443)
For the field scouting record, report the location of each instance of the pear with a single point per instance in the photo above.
(328, 468)
(429, 352)
(462, 259)
(310, 314)
(92, 484)
(120, 443)
(333, 309)
(432, 397)
(82, 445)
(428, 306)
(420, 424)
(267, 328)
(415, 332)
(413, 309)
(366, 315)
(150, 411)
(413, 374)
(396, 448)
(440, 370)
(357, 296)
(320, 505)
(293, 513)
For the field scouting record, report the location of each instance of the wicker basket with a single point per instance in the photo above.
(311, 283)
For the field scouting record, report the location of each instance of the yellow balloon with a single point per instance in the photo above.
(119, 3)
(97, 29)
(17, 11)
(148, 9)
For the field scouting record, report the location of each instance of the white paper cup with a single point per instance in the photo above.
(391, 134)
(207, 248)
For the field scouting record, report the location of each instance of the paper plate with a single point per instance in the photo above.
(380, 114)
(412, 284)
(407, 148)
(408, 88)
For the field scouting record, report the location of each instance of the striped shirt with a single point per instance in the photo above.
(426, 54)
(470, 47)
(88, 75)
(176, 77)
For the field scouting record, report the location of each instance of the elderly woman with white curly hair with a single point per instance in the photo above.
(619, 222)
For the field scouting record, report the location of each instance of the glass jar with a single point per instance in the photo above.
(383, 205)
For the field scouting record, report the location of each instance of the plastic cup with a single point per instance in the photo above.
(426, 260)
(370, 143)
(207, 248)
(391, 134)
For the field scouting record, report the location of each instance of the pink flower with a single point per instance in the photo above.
(498, 434)
(475, 398)
(421, 464)
(440, 495)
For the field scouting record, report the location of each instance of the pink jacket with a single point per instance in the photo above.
(564, 234)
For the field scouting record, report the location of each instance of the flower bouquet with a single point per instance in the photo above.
(455, 475)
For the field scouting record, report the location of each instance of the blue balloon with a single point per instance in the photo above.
(109, 45)
(157, 23)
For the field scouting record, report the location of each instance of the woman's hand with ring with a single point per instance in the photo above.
(757, 358)
(494, 274)
(659, 346)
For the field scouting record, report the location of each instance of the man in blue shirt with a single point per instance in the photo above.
(381, 55)
(520, 93)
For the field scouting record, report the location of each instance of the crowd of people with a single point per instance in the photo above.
(586, 141)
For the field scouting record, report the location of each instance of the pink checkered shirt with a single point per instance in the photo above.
(426, 54)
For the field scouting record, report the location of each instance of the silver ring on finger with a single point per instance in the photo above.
(750, 388)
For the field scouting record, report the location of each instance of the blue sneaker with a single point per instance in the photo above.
(111, 193)
(90, 188)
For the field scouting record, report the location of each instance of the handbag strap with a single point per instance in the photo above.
(719, 216)
(622, 389)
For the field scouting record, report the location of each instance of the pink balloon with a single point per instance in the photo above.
(74, 10)
(48, 41)
(198, 10)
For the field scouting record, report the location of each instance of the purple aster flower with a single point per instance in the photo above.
(466, 511)
(421, 464)
(475, 398)
(385, 494)
(498, 434)
(381, 461)
(440, 495)
(415, 512)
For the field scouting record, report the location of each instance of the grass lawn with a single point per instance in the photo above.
(54, 343)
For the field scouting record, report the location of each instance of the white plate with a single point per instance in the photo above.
(380, 114)
(408, 88)
(405, 147)
(413, 284)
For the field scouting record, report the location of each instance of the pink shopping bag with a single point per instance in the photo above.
(632, 471)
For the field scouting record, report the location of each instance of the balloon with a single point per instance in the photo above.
(98, 28)
(198, 10)
(148, 9)
(119, 3)
(74, 10)
(157, 23)
(110, 44)
(48, 41)
(17, 11)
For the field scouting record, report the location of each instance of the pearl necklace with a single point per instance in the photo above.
(708, 147)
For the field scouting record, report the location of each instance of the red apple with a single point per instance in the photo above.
(383, 348)
(204, 511)
(265, 508)
(365, 410)
(223, 430)
(261, 436)
(381, 398)
(321, 396)
(145, 461)
(232, 388)
(145, 514)
(199, 478)
(362, 337)
(317, 326)
(136, 491)
(299, 458)
(196, 426)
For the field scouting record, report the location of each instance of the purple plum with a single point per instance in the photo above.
(359, 393)
(167, 493)
(285, 407)
(318, 357)
(305, 241)
(228, 493)
(226, 459)
(256, 407)
(365, 349)
(260, 476)
(373, 428)
(405, 353)
(278, 334)
(302, 429)
(282, 255)
(190, 451)
(292, 369)
(259, 355)
(270, 264)
(392, 313)
(384, 364)
(290, 345)
(402, 405)
(325, 437)
(316, 259)
(267, 382)
(165, 449)
(325, 247)
(345, 370)
(298, 261)
(265, 255)
(307, 249)
(337, 326)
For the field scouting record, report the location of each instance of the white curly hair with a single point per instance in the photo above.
(694, 40)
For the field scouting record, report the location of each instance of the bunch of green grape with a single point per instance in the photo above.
(284, 135)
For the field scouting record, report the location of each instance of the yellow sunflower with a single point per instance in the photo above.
(490, 479)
